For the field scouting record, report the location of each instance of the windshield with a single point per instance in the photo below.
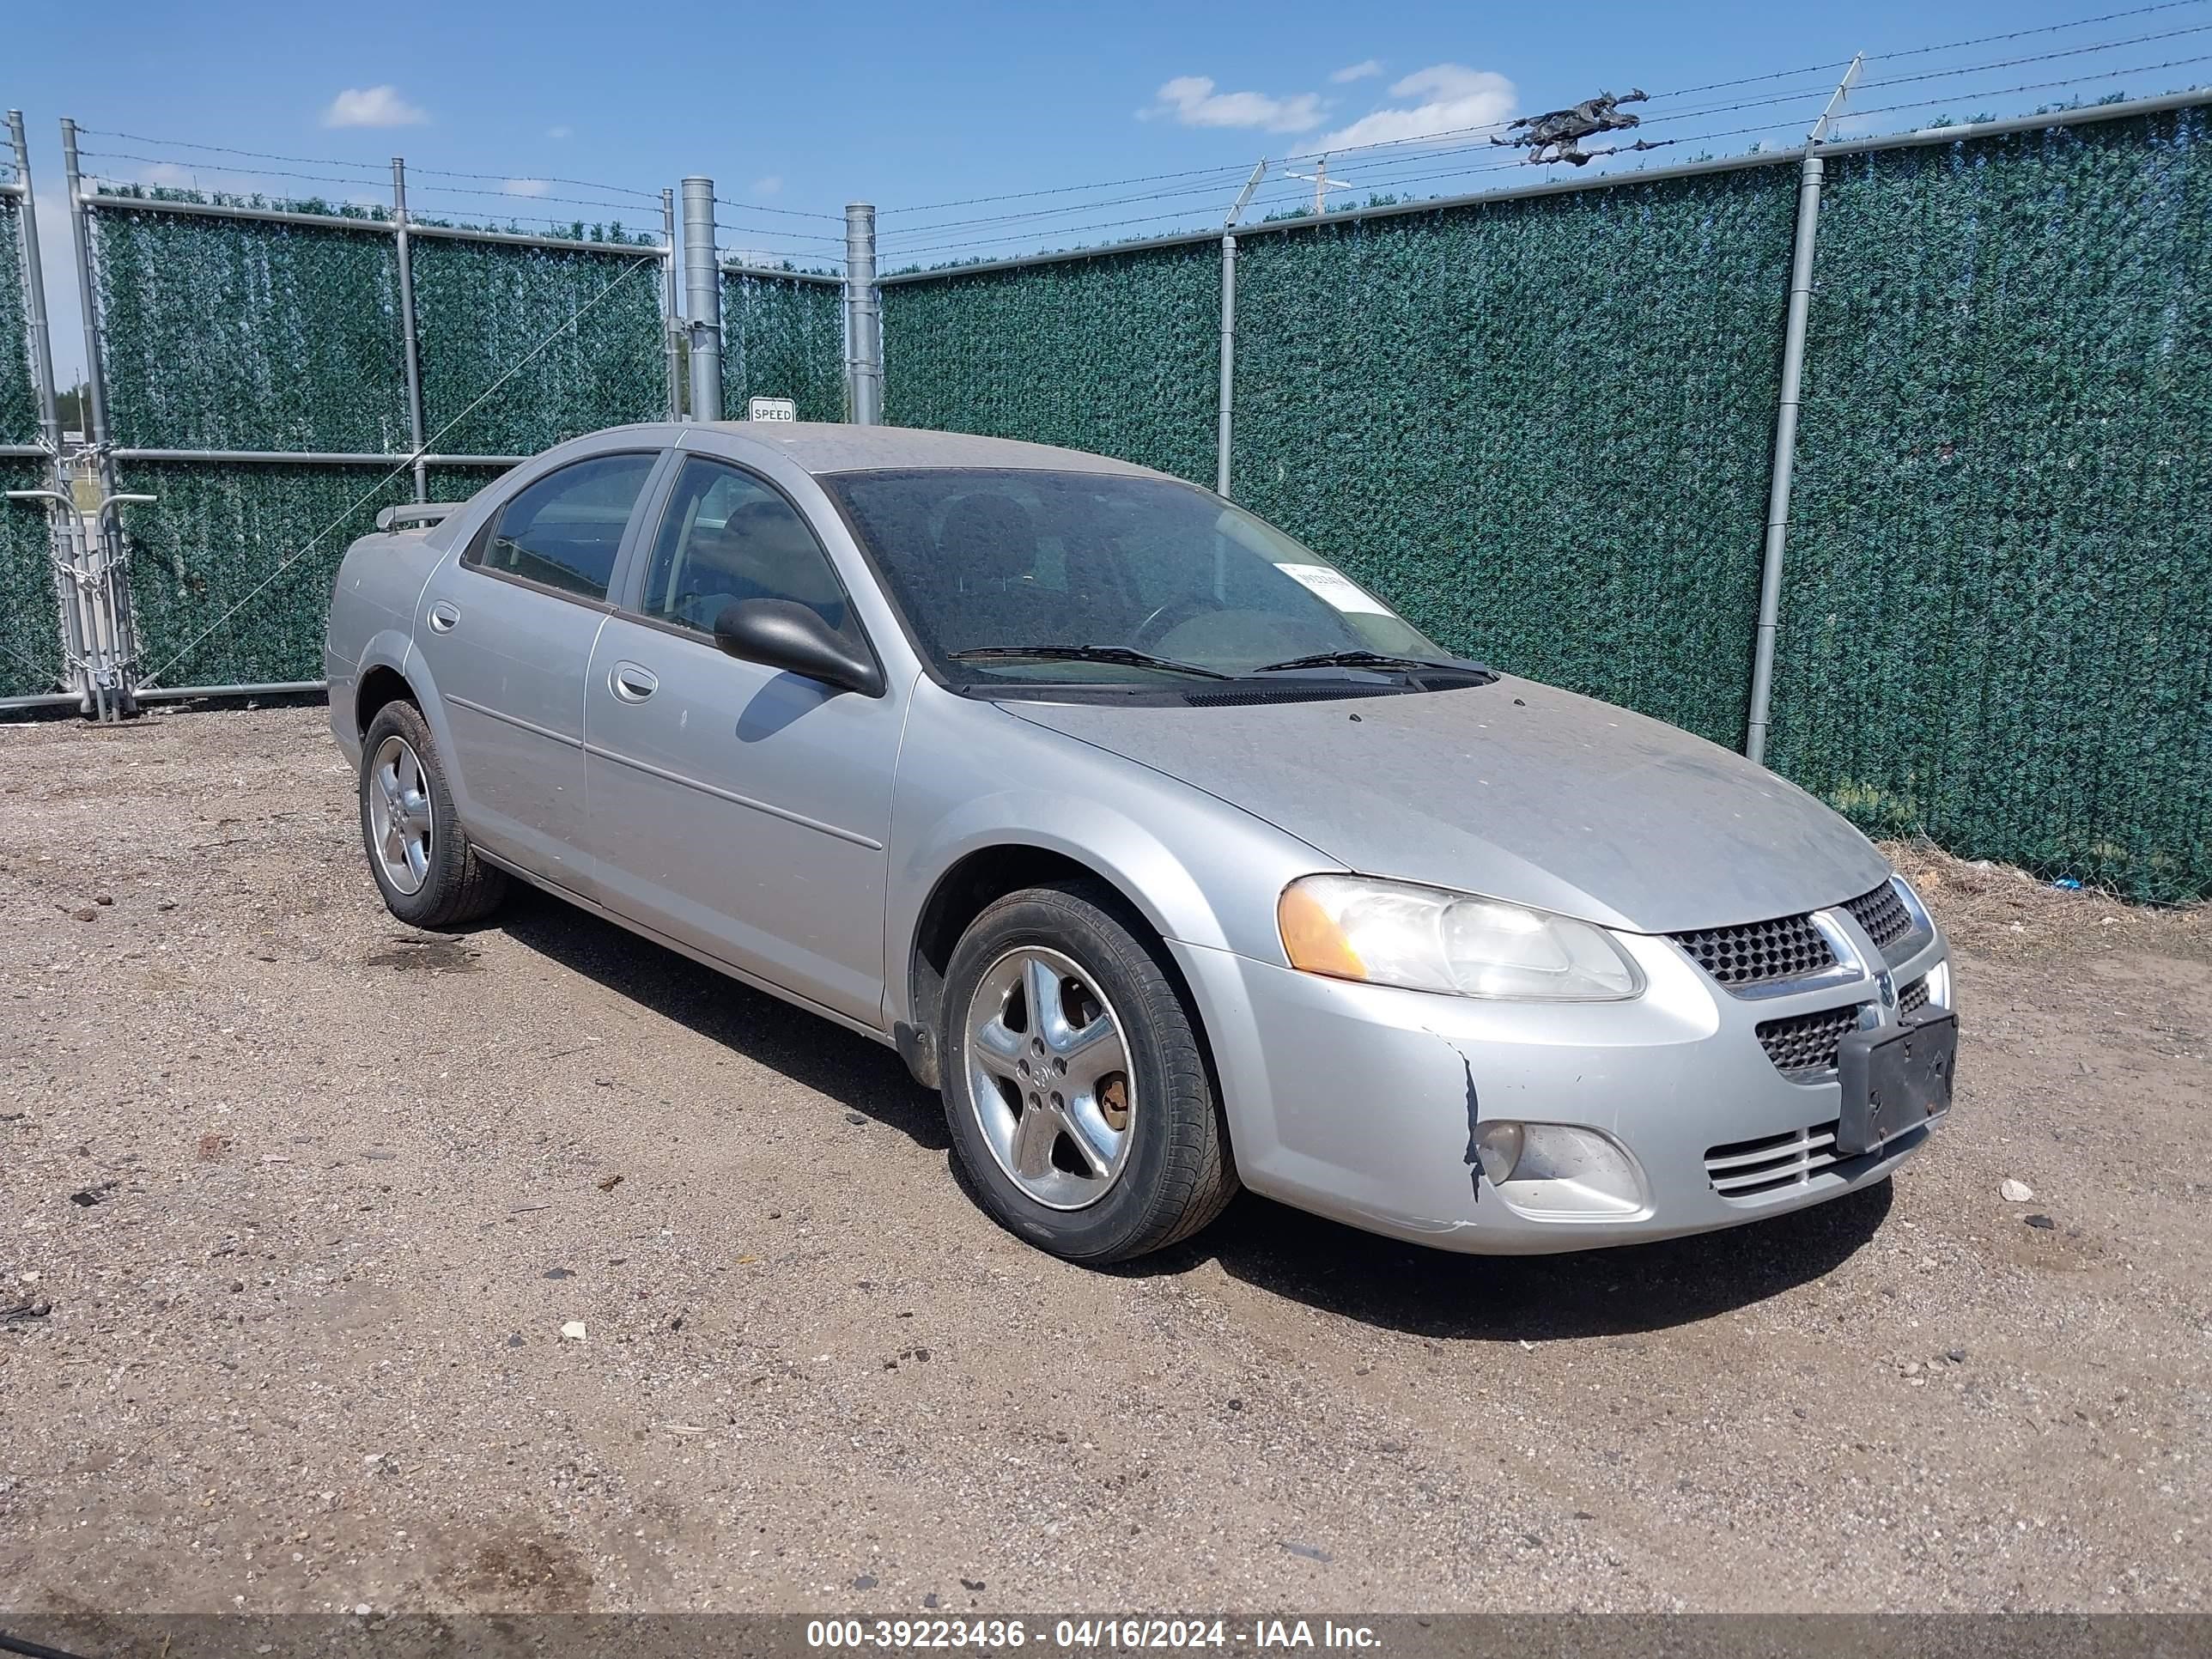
(1110, 579)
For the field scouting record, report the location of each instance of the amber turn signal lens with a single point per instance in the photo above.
(1313, 941)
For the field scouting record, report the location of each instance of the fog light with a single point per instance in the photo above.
(1939, 985)
(1498, 1145)
(1559, 1170)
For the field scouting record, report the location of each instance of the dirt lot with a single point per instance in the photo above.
(308, 1197)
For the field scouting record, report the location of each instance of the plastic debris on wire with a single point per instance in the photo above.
(1557, 135)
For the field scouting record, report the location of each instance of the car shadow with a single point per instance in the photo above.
(859, 1074)
(1527, 1298)
(1436, 1294)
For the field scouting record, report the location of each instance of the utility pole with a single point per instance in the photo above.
(1323, 185)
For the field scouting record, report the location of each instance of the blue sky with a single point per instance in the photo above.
(800, 108)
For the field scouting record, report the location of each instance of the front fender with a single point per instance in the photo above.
(1200, 872)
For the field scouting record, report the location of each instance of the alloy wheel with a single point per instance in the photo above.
(1048, 1078)
(400, 822)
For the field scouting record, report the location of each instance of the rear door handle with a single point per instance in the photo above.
(632, 682)
(443, 615)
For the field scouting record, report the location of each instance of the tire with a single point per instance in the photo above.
(1170, 1169)
(454, 885)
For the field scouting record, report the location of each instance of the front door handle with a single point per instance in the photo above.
(443, 615)
(632, 682)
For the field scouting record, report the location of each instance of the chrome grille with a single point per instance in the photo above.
(1913, 998)
(1803, 1045)
(1882, 913)
(1743, 1168)
(1788, 947)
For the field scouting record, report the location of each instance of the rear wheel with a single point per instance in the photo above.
(428, 873)
(1075, 1088)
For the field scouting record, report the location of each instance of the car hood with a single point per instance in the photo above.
(1515, 790)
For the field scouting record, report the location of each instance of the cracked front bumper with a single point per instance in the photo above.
(1357, 1101)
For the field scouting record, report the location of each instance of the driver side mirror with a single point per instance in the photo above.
(780, 634)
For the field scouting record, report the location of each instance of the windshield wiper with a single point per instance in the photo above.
(1114, 654)
(1357, 657)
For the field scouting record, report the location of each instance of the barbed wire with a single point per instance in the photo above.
(1385, 173)
(788, 213)
(2044, 28)
(381, 204)
(1238, 170)
(1277, 197)
(380, 170)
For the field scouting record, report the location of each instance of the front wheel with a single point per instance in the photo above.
(1075, 1087)
(428, 873)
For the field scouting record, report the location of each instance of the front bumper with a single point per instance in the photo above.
(1358, 1102)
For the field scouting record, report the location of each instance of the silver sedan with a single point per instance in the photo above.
(1174, 857)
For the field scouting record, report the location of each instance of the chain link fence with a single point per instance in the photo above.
(1998, 626)
(1542, 422)
(1114, 352)
(30, 643)
(19, 404)
(232, 333)
(783, 337)
(226, 334)
(1543, 425)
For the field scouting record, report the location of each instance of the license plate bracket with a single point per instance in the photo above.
(1894, 1078)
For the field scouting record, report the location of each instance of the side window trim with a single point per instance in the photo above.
(648, 495)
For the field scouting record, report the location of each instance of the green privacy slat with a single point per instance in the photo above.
(783, 340)
(243, 334)
(30, 641)
(1997, 625)
(19, 405)
(215, 532)
(1543, 428)
(482, 307)
(1116, 353)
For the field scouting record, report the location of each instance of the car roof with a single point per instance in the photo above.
(822, 447)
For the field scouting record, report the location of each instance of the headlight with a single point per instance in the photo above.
(1426, 938)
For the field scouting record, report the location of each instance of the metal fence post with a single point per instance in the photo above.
(674, 321)
(1225, 430)
(702, 298)
(109, 664)
(1785, 421)
(864, 337)
(407, 324)
(61, 542)
(94, 413)
(34, 291)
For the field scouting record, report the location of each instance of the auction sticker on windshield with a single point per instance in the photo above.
(1335, 587)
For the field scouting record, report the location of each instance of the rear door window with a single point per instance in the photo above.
(564, 530)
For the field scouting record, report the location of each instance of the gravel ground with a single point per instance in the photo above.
(296, 1203)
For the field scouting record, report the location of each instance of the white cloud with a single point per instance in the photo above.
(526, 186)
(1192, 101)
(169, 175)
(1451, 98)
(373, 106)
(768, 186)
(560, 132)
(1362, 71)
